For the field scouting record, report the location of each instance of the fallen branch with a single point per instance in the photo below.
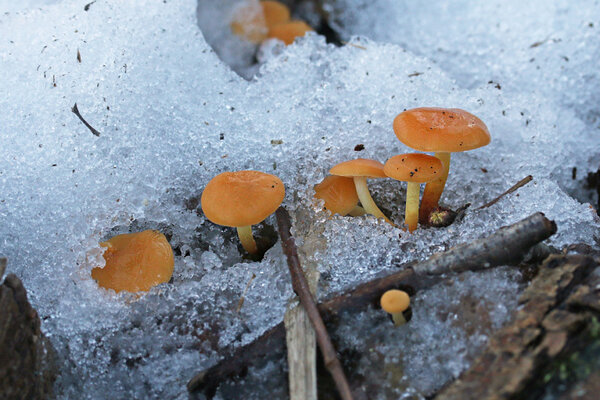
(75, 111)
(512, 189)
(300, 286)
(507, 246)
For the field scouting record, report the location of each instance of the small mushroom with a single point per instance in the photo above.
(395, 302)
(443, 131)
(135, 262)
(414, 169)
(253, 23)
(289, 31)
(242, 199)
(359, 170)
(339, 194)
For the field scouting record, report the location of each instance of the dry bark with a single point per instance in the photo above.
(27, 368)
(556, 313)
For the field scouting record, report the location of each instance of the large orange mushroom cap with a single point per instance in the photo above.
(135, 262)
(359, 167)
(241, 198)
(289, 31)
(413, 167)
(339, 194)
(440, 129)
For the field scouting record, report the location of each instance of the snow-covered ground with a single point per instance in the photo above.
(171, 115)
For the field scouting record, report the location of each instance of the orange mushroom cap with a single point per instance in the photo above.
(275, 13)
(289, 31)
(339, 194)
(135, 262)
(440, 129)
(413, 167)
(241, 198)
(359, 167)
(395, 301)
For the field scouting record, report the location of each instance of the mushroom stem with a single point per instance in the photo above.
(411, 212)
(433, 190)
(398, 319)
(357, 211)
(366, 200)
(245, 235)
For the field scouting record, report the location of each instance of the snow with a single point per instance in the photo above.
(171, 115)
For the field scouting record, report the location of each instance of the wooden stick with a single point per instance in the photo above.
(300, 286)
(506, 246)
(512, 189)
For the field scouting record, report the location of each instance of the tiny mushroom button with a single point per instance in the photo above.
(395, 302)
(443, 131)
(242, 199)
(413, 168)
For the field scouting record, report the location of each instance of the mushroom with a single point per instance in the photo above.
(395, 302)
(339, 194)
(361, 169)
(135, 262)
(414, 169)
(253, 23)
(242, 199)
(443, 131)
(289, 31)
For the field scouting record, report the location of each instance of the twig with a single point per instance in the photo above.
(506, 246)
(75, 111)
(300, 286)
(243, 297)
(516, 186)
(354, 45)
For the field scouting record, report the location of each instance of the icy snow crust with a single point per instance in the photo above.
(172, 115)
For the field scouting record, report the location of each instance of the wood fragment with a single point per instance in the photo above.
(301, 354)
(75, 111)
(300, 286)
(512, 189)
(2, 267)
(27, 358)
(243, 297)
(557, 310)
(504, 247)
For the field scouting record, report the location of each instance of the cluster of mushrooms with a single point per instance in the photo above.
(245, 198)
(271, 20)
(139, 261)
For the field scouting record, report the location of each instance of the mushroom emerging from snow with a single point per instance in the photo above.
(443, 131)
(254, 23)
(135, 262)
(242, 199)
(395, 302)
(414, 169)
(289, 31)
(361, 169)
(339, 195)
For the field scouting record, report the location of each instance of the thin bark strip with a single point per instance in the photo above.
(302, 289)
(506, 246)
(513, 188)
